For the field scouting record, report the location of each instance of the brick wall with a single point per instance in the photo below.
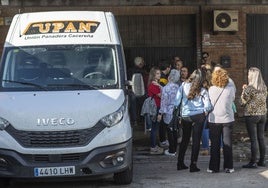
(233, 44)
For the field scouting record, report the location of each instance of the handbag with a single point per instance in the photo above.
(175, 122)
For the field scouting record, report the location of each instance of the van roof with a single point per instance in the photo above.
(63, 27)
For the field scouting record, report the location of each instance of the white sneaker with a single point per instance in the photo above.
(170, 154)
(164, 144)
(227, 170)
(211, 171)
(156, 151)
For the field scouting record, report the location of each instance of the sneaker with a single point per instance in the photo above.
(261, 163)
(156, 151)
(227, 170)
(193, 168)
(164, 144)
(204, 152)
(181, 166)
(250, 165)
(159, 148)
(170, 154)
(210, 171)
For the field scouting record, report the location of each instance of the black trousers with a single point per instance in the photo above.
(162, 131)
(172, 134)
(216, 131)
(189, 124)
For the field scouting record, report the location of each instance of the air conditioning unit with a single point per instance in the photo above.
(225, 20)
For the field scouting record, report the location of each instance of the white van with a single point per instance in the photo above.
(63, 98)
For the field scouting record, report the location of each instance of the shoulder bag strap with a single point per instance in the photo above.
(218, 97)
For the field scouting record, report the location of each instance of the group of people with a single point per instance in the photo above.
(205, 101)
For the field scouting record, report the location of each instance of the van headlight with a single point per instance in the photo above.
(115, 117)
(3, 123)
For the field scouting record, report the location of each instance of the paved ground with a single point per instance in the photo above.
(241, 144)
(160, 171)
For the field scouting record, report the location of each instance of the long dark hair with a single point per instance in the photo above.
(196, 79)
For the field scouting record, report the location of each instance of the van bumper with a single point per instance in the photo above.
(100, 161)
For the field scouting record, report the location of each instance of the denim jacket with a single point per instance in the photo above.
(200, 104)
(167, 99)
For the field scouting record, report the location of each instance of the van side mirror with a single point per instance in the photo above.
(137, 85)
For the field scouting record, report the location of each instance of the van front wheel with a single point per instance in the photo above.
(125, 177)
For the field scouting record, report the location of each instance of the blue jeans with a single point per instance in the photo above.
(153, 135)
(255, 127)
(154, 131)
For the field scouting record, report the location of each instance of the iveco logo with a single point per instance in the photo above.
(55, 121)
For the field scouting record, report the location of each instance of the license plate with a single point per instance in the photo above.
(54, 171)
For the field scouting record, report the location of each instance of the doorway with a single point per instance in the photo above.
(157, 37)
(257, 43)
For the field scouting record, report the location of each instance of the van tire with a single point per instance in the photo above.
(4, 182)
(124, 177)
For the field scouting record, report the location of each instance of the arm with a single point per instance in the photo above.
(178, 96)
(207, 103)
(246, 95)
(164, 100)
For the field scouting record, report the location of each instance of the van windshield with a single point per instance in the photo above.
(65, 67)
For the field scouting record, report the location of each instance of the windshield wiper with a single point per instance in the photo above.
(26, 83)
(74, 85)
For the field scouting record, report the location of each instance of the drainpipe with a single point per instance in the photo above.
(200, 35)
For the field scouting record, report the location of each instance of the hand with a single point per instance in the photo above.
(159, 117)
(175, 111)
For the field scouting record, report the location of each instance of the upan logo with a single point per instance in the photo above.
(62, 27)
(55, 121)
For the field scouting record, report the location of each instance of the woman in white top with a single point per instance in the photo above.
(221, 120)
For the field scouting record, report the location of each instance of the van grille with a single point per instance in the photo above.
(73, 157)
(55, 139)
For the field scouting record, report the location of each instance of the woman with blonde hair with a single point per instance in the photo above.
(221, 120)
(154, 91)
(253, 99)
